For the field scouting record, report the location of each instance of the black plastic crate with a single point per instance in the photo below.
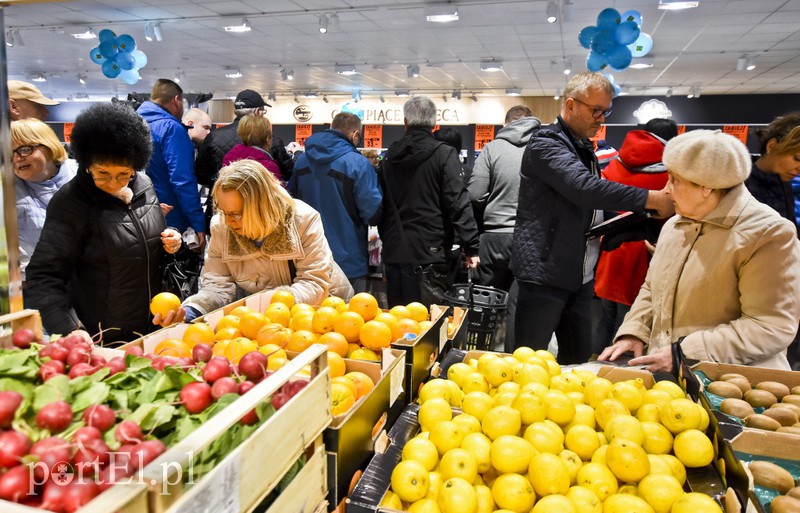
(486, 308)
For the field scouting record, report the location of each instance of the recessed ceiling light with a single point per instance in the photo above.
(39, 78)
(642, 63)
(674, 5)
(244, 26)
(514, 92)
(491, 65)
(87, 34)
(346, 69)
(233, 73)
(441, 13)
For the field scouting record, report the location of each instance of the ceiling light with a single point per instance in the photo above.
(157, 31)
(323, 24)
(356, 96)
(244, 26)
(412, 71)
(474, 97)
(82, 78)
(674, 5)
(39, 78)
(441, 13)
(334, 18)
(694, 92)
(148, 31)
(444, 97)
(9, 38)
(290, 74)
(558, 93)
(310, 94)
(514, 92)
(750, 65)
(491, 65)
(642, 63)
(233, 73)
(567, 66)
(402, 92)
(346, 69)
(457, 94)
(180, 75)
(13, 38)
(88, 34)
(272, 97)
(552, 11)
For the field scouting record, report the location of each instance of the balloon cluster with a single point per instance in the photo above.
(118, 56)
(615, 41)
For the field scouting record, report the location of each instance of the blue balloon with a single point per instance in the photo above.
(108, 49)
(125, 60)
(603, 42)
(96, 56)
(140, 58)
(110, 69)
(586, 35)
(106, 35)
(642, 45)
(626, 33)
(130, 77)
(634, 16)
(608, 18)
(595, 62)
(619, 57)
(126, 43)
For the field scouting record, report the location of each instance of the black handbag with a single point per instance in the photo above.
(181, 273)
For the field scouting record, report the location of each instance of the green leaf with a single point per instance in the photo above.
(264, 410)
(54, 389)
(11, 384)
(153, 387)
(150, 416)
(19, 363)
(119, 399)
(137, 362)
(82, 383)
(179, 377)
(95, 394)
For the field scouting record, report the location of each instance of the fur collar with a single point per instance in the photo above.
(282, 244)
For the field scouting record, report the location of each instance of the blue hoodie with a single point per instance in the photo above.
(341, 184)
(171, 168)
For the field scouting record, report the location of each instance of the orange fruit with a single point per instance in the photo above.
(324, 319)
(227, 334)
(250, 323)
(389, 320)
(363, 382)
(278, 312)
(301, 307)
(173, 347)
(362, 353)
(335, 342)
(240, 310)
(282, 296)
(342, 398)
(273, 333)
(300, 340)
(336, 303)
(352, 347)
(401, 312)
(198, 333)
(426, 325)
(349, 324)
(336, 364)
(302, 321)
(227, 321)
(164, 303)
(375, 335)
(364, 305)
(346, 382)
(239, 347)
(220, 348)
(272, 351)
(418, 311)
(408, 326)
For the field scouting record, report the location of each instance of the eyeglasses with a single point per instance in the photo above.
(233, 217)
(121, 179)
(26, 151)
(596, 112)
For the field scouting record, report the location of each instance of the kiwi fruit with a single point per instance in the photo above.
(770, 475)
(792, 407)
(796, 390)
(741, 382)
(785, 504)
(794, 492)
(736, 407)
(783, 415)
(724, 389)
(791, 399)
(779, 390)
(731, 375)
(760, 398)
(794, 430)
(760, 421)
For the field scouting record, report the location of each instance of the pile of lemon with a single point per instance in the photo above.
(534, 439)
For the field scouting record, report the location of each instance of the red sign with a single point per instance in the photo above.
(68, 131)
(738, 131)
(601, 134)
(681, 129)
(373, 136)
(301, 133)
(483, 134)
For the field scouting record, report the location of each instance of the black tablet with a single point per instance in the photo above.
(616, 224)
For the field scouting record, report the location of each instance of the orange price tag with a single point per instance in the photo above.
(483, 134)
(373, 136)
(681, 129)
(301, 133)
(68, 131)
(738, 131)
(601, 134)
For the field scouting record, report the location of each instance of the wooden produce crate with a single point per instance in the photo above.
(12, 322)
(249, 473)
(422, 352)
(120, 498)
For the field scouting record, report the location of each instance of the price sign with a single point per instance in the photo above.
(68, 131)
(601, 134)
(738, 131)
(373, 136)
(681, 129)
(483, 134)
(301, 133)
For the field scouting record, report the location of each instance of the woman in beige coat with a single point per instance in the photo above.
(724, 281)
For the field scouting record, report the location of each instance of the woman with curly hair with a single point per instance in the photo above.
(99, 257)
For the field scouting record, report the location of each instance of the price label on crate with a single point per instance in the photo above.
(222, 494)
(396, 379)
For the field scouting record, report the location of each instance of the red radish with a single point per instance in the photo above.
(245, 386)
(116, 364)
(122, 456)
(112, 475)
(16, 484)
(23, 338)
(90, 457)
(279, 399)
(201, 353)
(145, 452)
(78, 355)
(82, 369)
(128, 431)
(9, 402)
(224, 386)
(100, 416)
(50, 452)
(79, 492)
(86, 433)
(51, 369)
(184, 362)
(249, 418)
(293, 387)
(97, 360)
(13, 446)
(74, 340)
(55, 417)
(196, 396)
(163, 361)
(53, 496)
(253, 365)
(217, 367)
(55, 351)
(134, 350)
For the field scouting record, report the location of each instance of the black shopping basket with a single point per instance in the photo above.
(486, 308)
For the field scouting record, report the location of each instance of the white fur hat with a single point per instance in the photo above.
(709, 158)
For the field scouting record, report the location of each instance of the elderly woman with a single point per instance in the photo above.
(98, 261)
(724, 282)
(262, 239)
(256, 135)
(41, 167)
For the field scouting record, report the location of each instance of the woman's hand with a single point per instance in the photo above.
(173, 317)
(171, 239)
(659, 360)
(473, 262)
(622, 345)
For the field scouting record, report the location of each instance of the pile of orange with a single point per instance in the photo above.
(347, 389)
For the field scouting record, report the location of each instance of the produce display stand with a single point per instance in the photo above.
(458, 338)
(422, 352)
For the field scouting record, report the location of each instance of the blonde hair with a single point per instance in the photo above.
(265, 203)
(254, 130)
(32, 131)
(583, 82)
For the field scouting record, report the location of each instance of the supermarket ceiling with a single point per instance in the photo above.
(384, 39)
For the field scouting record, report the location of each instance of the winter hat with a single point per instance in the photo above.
(709, 158)
(249, 99)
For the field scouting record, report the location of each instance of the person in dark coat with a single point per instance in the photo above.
(256, 135)
(98, 261)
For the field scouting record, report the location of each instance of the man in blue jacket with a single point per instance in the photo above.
(333, 177)
(561, 196)
(171, 166)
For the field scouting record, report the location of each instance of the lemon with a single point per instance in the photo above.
(523, 353)
(421, 450)
(480, 447)
(530, 407)
(435, 480)
(486, 358)
(509, 386)
(608, 408)
(391, 500)
(704, 420)
(433, 411)
(573, 463)
(554, 504)
(485, 500)
(424, 505)
(468, 423)
(599, 479)
(544, 438)
(656, 397)
(514, 493)
(671, 388)
(457, 372)
(657, 438)
(549, 475)
(435, 388)
(679, 415)
(528, 372)
(627, 460)
(660, 491)
(678, 470)
(584, 414)
(584, 500)
(599, 455)
(545, 355)
(695, 503)
(559, 408)
(649, 413)
(601, 437)
(596, 390)
(458, 496)
(553, 368)
(624, 426)
(536, 388)
(458, 463)
(497, 371)
(628, 488)
(576, 398)
(474, 382)
(511, 454)
(626, 503)
(582, 440)
(501, 420)
(456, 395)
(659, 465)
(504, 398)
(410, 481)
(629, 393)
(446, 435)
(477, 404)
(511, 360)
(693, 448)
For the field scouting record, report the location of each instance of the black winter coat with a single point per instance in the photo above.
(560, 188)
(771, 191)
(423, 177)
(98, 258)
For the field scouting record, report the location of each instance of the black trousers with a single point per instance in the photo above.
(402, 284)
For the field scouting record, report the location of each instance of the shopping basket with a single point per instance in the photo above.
(486, 308)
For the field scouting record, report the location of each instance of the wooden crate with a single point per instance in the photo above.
(255, 468)
(120, 498)
(12, 322)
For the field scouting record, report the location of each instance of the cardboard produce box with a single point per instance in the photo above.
(457, 336)
(422, 352)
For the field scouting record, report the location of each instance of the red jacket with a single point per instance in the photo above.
(621, 272)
